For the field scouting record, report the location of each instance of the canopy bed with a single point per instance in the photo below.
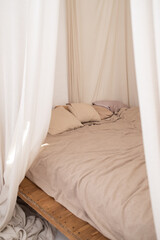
(97, 171)
(98, 50)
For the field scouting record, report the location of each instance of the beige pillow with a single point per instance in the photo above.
(103, 112)
(62, 120)
(84, 112)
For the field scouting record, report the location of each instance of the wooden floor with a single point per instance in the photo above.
(67, 223)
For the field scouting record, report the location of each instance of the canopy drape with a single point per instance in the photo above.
(28, 33)
(100, 51)
(146, 39)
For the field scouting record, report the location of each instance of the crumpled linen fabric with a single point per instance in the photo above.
(104, 180)
(27, 225)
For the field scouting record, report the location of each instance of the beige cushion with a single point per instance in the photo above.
(62, 120)
(103, 112)
(84, 112)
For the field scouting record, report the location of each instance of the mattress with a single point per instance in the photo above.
(98, 172)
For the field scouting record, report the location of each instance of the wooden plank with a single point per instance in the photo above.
(67, 223)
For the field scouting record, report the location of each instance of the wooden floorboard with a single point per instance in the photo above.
(67, 223)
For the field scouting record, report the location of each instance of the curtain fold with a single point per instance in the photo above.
(146, 39)
(28, 31)
(74, 72)
(100, 51)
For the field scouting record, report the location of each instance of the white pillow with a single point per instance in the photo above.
(84, 112)
(62, 120)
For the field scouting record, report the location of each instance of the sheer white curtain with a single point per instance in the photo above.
(100, 51)
(60, 96)
(28, 33)
(146, 39)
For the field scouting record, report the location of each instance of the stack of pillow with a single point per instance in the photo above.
(73, 116)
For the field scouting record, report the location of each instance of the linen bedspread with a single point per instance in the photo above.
(98, 172)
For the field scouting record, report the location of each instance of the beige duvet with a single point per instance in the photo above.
(98, 173)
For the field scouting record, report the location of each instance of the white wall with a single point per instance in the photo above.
(61, 80)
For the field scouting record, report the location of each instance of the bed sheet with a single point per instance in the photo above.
(98, 172)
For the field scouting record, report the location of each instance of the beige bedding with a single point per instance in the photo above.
(98, 173)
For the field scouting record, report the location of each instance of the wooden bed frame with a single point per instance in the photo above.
(67, 223)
